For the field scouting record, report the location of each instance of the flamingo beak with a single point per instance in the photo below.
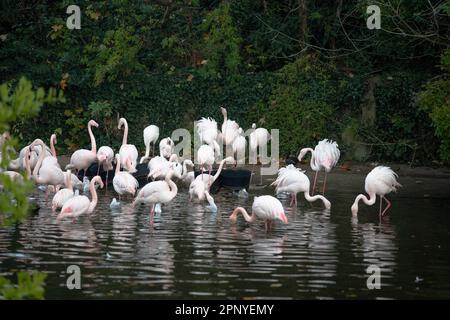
(283, 218)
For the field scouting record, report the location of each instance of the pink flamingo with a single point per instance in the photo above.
(292, 180)
(151, 135)
(123, 181)
(82, 159)
(128, 152)
(380, 181)
(61, 197)
(78, 205)
(166, 146)
(267, 208)
(324, 157)
(105, 157)
(229, 128)
(156, 192)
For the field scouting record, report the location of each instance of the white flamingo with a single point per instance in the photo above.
(259, 137)
(128, 152)
(187, 176)
(151, 135)
(124, 182)
(229, 128)
(380, 181)
(239, 146)
(83, 158)
(157, 192)
(267, 208)
(105, 157)
(199, 188)
(77, 205)
(53, 159)
(61, 197)
(19, 163)
(325, 156)
(166, 147)
(205, 158)
(159, 167)
(207, 131)
(293, 180)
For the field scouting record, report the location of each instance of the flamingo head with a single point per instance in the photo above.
(122, 121)
(53, 138)
(282, 216)
(354, 210)
(302, 154)
(101, 157)
(92, 123)
(253, 125)
(154, 173)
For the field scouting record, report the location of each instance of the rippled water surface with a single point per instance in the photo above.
(192, 253)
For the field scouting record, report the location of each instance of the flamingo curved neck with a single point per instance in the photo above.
(52, 145)
(39, 163)
(125, 131)
(173, 187)
(247, 217)
(310, 198)
(69, 180)
(368, 201)
(219, 170)
(94, 200)
(117, 164)
(93, 143)
(313, 159)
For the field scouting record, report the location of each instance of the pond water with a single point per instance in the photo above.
(192, 253)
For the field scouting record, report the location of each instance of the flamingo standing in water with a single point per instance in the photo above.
(159, 167)
(124, 182)
(187, 176)
(53, 160)
(151, 135)
(128, 152)
(199, 188)
(83, 158)
(166, 147)
(258, 139)
(324, 157)
(380, 181)
(267, 208)
(61, 197)
(157, 192)
(78, 205)
(105, 157)
(205, 158)
(293, 180)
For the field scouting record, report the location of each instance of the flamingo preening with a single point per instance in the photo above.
(266, 207)
(239, 145)
(166, 147)
(151, 135)
(123, 181)
(205, 158)
(230, 128)
(293, 180)
(82, 159)
(128, 152)
(105, 157)
(324, 157)
(78, 205)
(207, 131)
(61, 197)
(199, 188)
(159, 167)
(157, 192)
(380, 181)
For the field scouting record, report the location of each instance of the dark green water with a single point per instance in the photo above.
(192, 253)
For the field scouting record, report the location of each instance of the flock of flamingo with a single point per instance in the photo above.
(40, 163)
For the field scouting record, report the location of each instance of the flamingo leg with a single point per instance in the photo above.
(107, 173)
(152, 214)
(314, 185)
(209, 176)
(387, 207)
(295, 199)
(292, 199)
(324, 183)
(381, 205)
(98, 169)
(266, 223)
(153, 149)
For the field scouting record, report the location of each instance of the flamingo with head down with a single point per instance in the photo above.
(166, 147)
(83, 158)
(77, 205)
(380, 181)
(208, 132)
(128, 152)
(267, 208)
(105, 157)
(230, 129)
(123, 181)
(61, 197)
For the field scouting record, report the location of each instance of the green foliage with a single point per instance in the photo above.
(29, 286)
(221, 43)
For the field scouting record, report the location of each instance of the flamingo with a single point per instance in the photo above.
(229, 128)
(53, 160)
(83, 158)
(324, 157)
(187, 176)
(61, 197)
(263, 207)
(239, 146)
(380, 181)
(166, 147)
(151, 135)
(128, 152)
(293, 180)
(200, 189)
(105, 157)
(259, 137)
(205, 158)
(207, 131)
(160, 166)
(157, 192)
(76, 183)
(124, 182)
(49, 174)
(19, 163)
(77, 205)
